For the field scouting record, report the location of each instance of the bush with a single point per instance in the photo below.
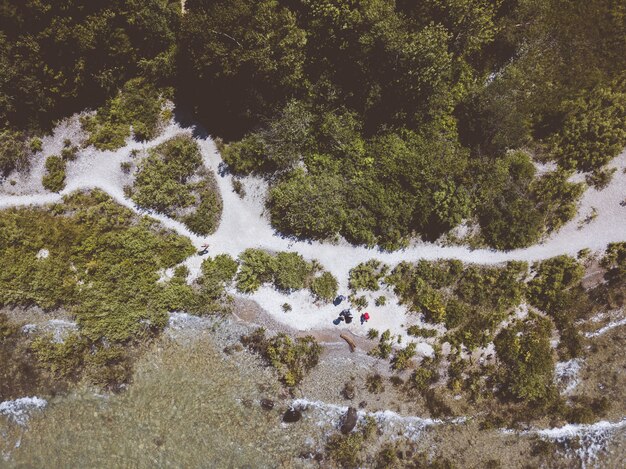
(220, 269)
(137, 105)
(423, 377)
(257, 267)
(308, 206)
(249, 155)
(292, 271)
(402, 358)
(163, 183)
(367, 275)
(600, 178)
(417, 331)
(381, 301)
(325, 287)
(13, 154)
(547, 290)
(54, 179)
(345, 449)
(594, 131)
(109, 367)
(383, 349)
(36, 145)
(69, 153)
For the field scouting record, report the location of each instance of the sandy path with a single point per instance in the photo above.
(245, 225)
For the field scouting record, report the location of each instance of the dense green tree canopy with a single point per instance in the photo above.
(399, 117)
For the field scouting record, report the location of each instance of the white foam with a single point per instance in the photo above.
(20, 410)
(605, 329)
(566, 375)
(390, 422)
(591, 439)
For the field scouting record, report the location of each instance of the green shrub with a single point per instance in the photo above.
(367, 275)
(594, 130)
(380, 301)
(238, 188)
(204, 220)
(614, 260)
(547, 290)
(109, 367)
(163, 184)
(62, 359)
(402, 359)
(423, 377)
(308, 206)
(292, 271)
(138, 104)
(13, 155)
(92, 241)
(36, 144)
(257, 267)
(383, 349)
(359, 302)
(54, 179)
(249, 155)
(69, 153)
(161, 178)
(428, 301)
(600, 178)
(324, 287)
(417, 331)
(372, 334)
(221, 269)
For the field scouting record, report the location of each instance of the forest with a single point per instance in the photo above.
(374, 120)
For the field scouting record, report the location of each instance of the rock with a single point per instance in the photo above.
(292, 415)
(348, 422)
(267, 404)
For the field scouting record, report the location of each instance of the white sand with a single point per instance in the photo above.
(244, 225)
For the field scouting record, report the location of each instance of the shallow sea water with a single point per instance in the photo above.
(189, 406)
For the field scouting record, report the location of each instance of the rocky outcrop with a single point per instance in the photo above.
(348, 421)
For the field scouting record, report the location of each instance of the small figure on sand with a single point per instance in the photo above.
(365, 317)
(345, 315)
(204, 249)
(337, 301)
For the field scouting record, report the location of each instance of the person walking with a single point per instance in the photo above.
(365, 317)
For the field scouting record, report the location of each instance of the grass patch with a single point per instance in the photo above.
(102, 267)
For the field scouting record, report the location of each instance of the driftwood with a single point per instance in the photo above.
(351, 342)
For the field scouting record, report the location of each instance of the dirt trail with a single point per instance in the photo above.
(245, 225)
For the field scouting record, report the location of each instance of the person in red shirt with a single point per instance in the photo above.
(365, 317)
